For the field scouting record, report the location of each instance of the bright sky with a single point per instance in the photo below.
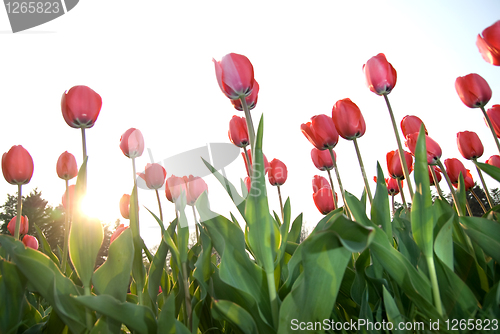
(151, 62)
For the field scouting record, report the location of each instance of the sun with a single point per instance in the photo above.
(95, 205)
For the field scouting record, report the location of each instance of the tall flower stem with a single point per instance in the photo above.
(196, 225)
(367, 186)
(486, 191)
(88, 314)
(333, 189)
(19, 212)
(400, 147)
(478, 200)
(436, 183)
(66, 229)
(393, 211)
(281, 205)
(453, 193)
(159, 204)
(187, 295)
(140, 283)
(248, 118)
(338, 180)
(400, 186)
(435, 286)
(467, 205)
(491, 128)
(247, 158)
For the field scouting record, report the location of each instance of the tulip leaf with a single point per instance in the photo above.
(12, 285)
(167, 321)
(204, 263)
(284, 231)
(393, 314)
(136, 317)
(113, 276)
(380, 211)
(296, 230)
(156, 272)
(443, 245)
(485, 232)
(491, 170)
(45, 245)
(234, 314)
(138, 270)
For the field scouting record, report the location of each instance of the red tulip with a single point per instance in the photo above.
(238, 131)
(321, 132)
(248, 183)
(132, 143)
(494, 116)
(30, 241)
(154, 175)
(66, 166)
(468, 181)
(251, 99)
(195, 187)
(348, 119)
(433, 149)
(380, 75)
(437, 171)
(80, 107)
(322, 159)
(394, 164)
(323, 200)
(119, 230)
(71, 190)
(392, 185)
(473, 90)
(489, 44)
(266, 163)
(23, 228)
(176, 186)
(125, 206)
(17, 165)
(453, 168)
(411, 124)
(494, 160)
(319, 182)
(469, 145)
(235, 75)
(277, 173)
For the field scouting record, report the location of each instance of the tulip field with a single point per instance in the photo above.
(428, 265)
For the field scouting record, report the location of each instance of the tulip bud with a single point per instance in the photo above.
(248, 183)
(132, 143)
(119, 230)
(23, 229)
(17, 165)
(323, 199)
(473, 90)
(494, 160)
(238, 131)
(489, 44)
(411, 124)
(348, 119)
(30, 241)
(195, 187)
(154, 175)
(322, 159)
(392, 186)
(66, 166)
(469, 145)
(319, 182)
(321, 132)
(433, 149)
(380, 75)
(125, 206)
(494, 116)
(176, 186)
(80, 107)
(394, 164)
(453, 168)
(277, 173)
(234, 74)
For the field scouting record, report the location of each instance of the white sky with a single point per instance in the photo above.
(151, 63)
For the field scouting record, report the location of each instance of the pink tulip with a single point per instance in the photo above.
(23, 229)
(81, 106)
(154, 175)
(17, 165)
(235, 75)
(380, 75)
(132, 143)
(30, 241)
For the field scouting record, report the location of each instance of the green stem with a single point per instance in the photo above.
(478, 200)
(333, 189)
(367, 186)
(84, 149)
(393, 211)
(138, 280)
(486, 191)
(436, 183)
(19, 212)
(88, 314)
(248, 118)
(281, 205)
(273, 298)
(400, 147)
(249, 165)
(187, 295)
(339, 181)
(453, 193)
(159, 204)
(467, 205)
(400, 185)
(196, 225)
(66, 230)
(491, 128)
(435, 286)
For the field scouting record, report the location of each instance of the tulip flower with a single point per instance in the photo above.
(195, 187)
(323, 199)
(494, 116)
(266, 163)
(154, 175)
(380, 75)
(119, 230)
(433, 149)
(473, 90)
(348, 119)
(394, 164)
(66, 166)
(251, 99)
(469, 145)
(30, 241)
(132, 143)
(392, 186)
(277, 173)
(321, 132)
(234, 74)
(23, 229)
(17, 165)
(238, 131)
(411, 124)
(248, 183)
(494, 160)
(319, 182)
(80, 107)
(125, 206)
(322, 159)
(489, 44)
(176, 185)
(454, 167)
